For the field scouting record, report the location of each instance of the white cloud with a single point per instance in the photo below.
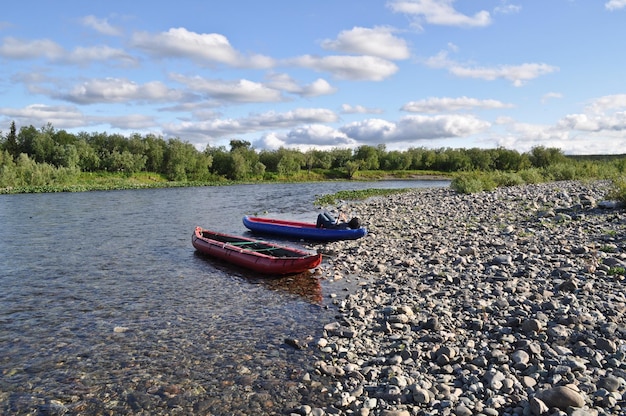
(508, 9)
(41, 114)
(608, 102)
(439, 12)
(39, 48)
(414, 128)
(517, 74)
(599, 129)
(611, 123)
(117, 90)
(201, 47)
(316, 135)
(355, 68)
(615, 4)
(316, 88)
(130, 122)
(550, 96)
(524, 137)
(285, 83)
(373, 130)
(101, 25)
(378, 41)
(440, 126)
(271, 141)
(446, 104)
(292, 118)
(83, 55)
(236, 91)
(359, 109)
(218, 128)
(13, 48)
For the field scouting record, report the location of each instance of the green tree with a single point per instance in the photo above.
(66, 156)
(179, 160)
(8, 174)
(222, 160)
(351, 167)
(25, 139)
(244, 160)
(429, 159)
(62, 137)
(238, 144)
(270, 160)
(43, 147)
(396, 160)
(88, 159)
(322, 159)
(125, 162)
(155, 152)
(289, 164)
(510, 160)
(542, 157)
(10, 144)
(240, 168)
(460, 161)
(368, 157)
(339, 157)
(480, 159)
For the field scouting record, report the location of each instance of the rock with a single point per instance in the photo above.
(295, 343)
(561, 397)
(607, 345)
(610, 383)
(538, 407)
(481, 307)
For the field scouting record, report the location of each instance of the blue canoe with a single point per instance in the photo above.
(300, 230)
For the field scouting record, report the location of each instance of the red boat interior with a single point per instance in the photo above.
(257, 246)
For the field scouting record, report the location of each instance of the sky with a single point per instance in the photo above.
(322, 74)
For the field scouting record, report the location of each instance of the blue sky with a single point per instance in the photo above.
(323, 73)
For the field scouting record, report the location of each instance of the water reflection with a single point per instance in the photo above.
(306, 285)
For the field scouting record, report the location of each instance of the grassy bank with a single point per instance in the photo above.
(104, 181)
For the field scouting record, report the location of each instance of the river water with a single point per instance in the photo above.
(106, 308)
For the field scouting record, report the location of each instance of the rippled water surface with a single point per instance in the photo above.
(105, 307)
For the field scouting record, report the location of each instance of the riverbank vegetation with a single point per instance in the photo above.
(51, 160)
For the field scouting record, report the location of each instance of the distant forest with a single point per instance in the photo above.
(36, 157)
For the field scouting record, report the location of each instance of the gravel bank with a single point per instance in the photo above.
(508, 302)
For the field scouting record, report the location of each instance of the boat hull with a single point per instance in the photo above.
(260, 256)
(300, 230)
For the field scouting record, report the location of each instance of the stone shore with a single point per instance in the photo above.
(508, 302)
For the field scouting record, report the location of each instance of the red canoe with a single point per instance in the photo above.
(257, 255)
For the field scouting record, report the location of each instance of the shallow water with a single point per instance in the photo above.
(105, 307)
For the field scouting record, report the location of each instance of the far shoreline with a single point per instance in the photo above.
(134, 184)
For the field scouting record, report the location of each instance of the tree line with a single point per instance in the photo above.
(31, 157)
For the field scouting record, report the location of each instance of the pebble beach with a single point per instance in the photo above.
(509, 302)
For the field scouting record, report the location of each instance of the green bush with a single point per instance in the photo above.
(618, 189)
(508, 178)
(561, 172)
(472, 182)
(532, 175)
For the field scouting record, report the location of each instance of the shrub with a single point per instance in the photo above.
(508, 179)
(532, 175)
(618, 190)
(561, 172)
(472, 182)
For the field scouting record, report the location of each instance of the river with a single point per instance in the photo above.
(105, 307)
